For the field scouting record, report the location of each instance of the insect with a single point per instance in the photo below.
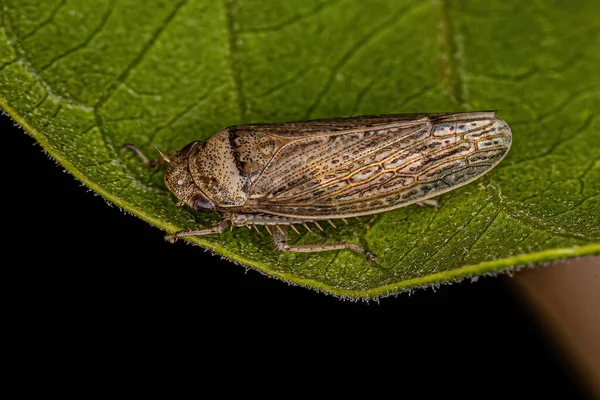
(300, 173)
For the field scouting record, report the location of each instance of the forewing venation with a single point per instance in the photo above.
(364, 171)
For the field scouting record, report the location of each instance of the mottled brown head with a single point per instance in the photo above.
(180, 182)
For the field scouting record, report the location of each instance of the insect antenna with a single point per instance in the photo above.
(162, 155)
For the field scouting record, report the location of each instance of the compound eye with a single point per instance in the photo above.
(203, 204)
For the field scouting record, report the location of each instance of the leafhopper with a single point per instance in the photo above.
(310, 172)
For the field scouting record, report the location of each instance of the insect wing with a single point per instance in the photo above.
(374, 167)
(316, 160)
(330, 125)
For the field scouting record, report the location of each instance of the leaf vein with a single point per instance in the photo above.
(83, 44)
(586, 124)
(589, 91)
(41, 101)
(14, 41)
(457, 232)
(235, 70)
(427, 228)
(47, 21)
(482, 233)
(179, 115)
(361, 96)
(127, 71)
(387, 24)
(452, 57)
(137, 60)
(8, 63)
(293, 20)
(284, 83)
(533, 71)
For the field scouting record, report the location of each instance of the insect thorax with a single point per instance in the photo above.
(225, 166)
(211, 166)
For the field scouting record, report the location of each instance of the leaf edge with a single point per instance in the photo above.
(486, 267)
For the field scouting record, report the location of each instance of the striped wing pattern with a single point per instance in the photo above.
(363, 166)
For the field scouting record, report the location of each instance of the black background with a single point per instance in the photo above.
(85, 267)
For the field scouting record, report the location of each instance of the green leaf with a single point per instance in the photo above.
(84, 78)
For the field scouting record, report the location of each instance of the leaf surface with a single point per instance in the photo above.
(83, 78)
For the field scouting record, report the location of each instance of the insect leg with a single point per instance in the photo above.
(429, 202)
(281, 241)
(217, 229)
